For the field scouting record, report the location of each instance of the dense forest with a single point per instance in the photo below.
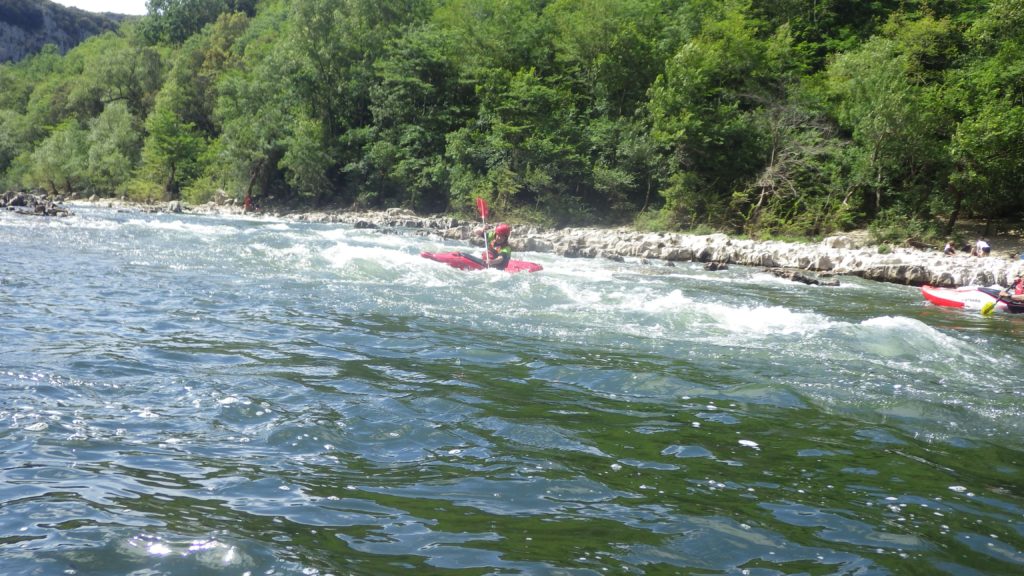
(761, 117)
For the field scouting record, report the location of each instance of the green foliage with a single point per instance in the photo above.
(415, 102)
(524, 148)
(305, 162)
(175, 21)
(652, 221)
(113, 148)
(60, 163)
(895, 226)
(703, 110)
(200, 191)
(987, 147)
(494, 34)
(781, 118)
(886, 93)
(12, 129)
(172, 150)
(144, 191)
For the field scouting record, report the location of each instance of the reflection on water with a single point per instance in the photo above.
(198, 395)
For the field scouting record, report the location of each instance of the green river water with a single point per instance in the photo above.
(190, 395)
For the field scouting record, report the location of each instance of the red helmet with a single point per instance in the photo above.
(503, 229)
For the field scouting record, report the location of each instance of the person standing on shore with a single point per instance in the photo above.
(949, 249)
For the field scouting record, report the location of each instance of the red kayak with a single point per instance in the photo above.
(971, 297)
(464, 261)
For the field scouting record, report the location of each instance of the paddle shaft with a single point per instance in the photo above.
(481, 205)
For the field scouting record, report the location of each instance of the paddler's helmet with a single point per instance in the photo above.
(503, 230)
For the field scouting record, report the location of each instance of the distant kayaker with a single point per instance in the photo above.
(1015, 291)
(497, 252)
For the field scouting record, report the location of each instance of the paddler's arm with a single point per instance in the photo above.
(501, 261)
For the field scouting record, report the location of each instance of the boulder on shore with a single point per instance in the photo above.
(32, 204)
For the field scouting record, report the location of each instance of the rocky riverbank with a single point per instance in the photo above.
(833, 256)
(836, 255)
(31, 204)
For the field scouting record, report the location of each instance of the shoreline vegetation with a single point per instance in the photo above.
(759, 118)
(838, 255)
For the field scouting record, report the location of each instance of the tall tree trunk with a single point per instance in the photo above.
(169, 185)
(255, 174)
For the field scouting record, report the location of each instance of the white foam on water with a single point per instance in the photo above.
(296, 254)
(335, 234)
(76, 222)
(382, 264)
(761, 321)
(274, 226)
(346, 256)
(353, 236)
(202, 230)
(899, 336)
(574, 269)
(674, 301)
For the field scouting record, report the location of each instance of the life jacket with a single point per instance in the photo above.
(493, 250)
(1018, 286)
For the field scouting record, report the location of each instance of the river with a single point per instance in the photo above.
(187, 395)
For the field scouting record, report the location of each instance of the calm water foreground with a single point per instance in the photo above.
(218, 395)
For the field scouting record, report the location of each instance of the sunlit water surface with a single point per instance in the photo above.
(220, 395)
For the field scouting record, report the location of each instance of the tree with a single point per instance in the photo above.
(12, 141)
(987, 146)
(523, 150)
(416, 101)
(112, 67)
(113, 147)
(174, 21)
(886, 109)
(60, 162)
(172, 150)
(258, 106)
(495, 34)
(127, 69)
(702, 113)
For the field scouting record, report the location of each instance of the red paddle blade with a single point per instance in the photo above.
(481, 205)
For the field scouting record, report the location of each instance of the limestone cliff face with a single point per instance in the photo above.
(28, 25)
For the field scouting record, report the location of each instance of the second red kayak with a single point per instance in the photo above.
(970, 297)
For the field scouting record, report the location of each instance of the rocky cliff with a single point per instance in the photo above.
(28, 25)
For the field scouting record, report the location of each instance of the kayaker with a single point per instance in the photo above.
(1015, 291)
(497, 252)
